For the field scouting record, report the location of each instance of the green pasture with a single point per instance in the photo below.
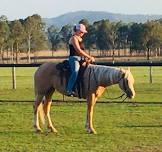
(145, 92)
(121, 127)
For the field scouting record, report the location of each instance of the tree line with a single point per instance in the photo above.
(104, 35)
(30, 34)
(23, 35)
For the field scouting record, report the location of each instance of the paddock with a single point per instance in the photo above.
(135, 125)
(123, 127)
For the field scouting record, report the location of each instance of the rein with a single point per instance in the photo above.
(119, 97)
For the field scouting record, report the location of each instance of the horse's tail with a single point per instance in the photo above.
(41, 113)
(40, 107)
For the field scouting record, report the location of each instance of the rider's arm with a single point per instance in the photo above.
(76, 45)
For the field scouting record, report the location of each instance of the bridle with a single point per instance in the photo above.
(125, 84)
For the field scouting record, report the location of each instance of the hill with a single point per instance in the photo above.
(92, 16)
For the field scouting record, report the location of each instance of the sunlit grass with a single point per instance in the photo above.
(145, 91)
(120, 127)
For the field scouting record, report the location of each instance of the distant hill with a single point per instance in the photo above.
(92, 16)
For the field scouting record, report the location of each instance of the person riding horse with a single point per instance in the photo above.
(96, 78)
(76, 54)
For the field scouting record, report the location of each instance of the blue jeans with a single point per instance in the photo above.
(74, 65)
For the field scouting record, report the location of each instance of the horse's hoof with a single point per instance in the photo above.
(90, 131)
(52, 129)
(39, 131)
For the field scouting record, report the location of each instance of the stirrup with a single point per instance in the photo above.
(71, 94)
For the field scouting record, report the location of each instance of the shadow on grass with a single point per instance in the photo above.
(11, 132)
(141, 126)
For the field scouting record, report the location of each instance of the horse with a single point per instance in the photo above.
(96, 78)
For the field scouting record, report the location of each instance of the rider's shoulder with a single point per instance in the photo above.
(77, 38)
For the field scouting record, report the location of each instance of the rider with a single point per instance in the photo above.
(76, 53)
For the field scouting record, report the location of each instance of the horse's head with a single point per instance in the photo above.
(126, 83)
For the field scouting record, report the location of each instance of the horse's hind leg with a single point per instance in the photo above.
(46, 107)
(36, 106)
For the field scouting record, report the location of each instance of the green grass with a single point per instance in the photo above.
(120, 127)
(145, 92)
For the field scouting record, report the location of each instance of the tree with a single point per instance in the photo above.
(54, 37)
(106, 35)
(90, 38)
(123, 33)
(66, 32)
(123, 42)
(4, 33)
(35, 33)
(29, 25)
(136, 37)
(152, 35)
(103, 35)
(3, 18)
(17, 31)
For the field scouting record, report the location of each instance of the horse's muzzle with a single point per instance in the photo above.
(131, 95)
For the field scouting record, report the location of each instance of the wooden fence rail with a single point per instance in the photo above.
(149, 64)
(146, 63)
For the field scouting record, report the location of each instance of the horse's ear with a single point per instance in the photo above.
(129, 69)
(123, 72)
(123, 75)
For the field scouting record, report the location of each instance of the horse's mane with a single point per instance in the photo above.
(105, 74)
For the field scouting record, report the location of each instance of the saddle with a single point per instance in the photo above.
(65, 71)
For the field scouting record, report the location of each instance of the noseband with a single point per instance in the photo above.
(125, 86)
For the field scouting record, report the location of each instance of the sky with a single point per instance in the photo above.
(16, 9)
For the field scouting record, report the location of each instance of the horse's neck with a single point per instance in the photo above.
(106, 76)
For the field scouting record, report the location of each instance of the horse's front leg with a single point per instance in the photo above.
(91, 100)
(47, 107)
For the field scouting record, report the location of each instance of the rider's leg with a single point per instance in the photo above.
(74, 65)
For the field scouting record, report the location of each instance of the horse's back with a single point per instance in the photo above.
(46, 68)
(44, 75)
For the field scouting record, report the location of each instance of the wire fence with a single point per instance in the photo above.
(16, 82)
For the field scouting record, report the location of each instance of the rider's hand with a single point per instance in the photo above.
(92, 59)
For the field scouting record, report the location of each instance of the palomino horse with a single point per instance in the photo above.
(96, 78)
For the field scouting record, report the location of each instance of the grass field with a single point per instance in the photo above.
(145, 92)
(121, 127)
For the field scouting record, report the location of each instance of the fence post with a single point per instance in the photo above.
(150, 71)
(13, 77)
